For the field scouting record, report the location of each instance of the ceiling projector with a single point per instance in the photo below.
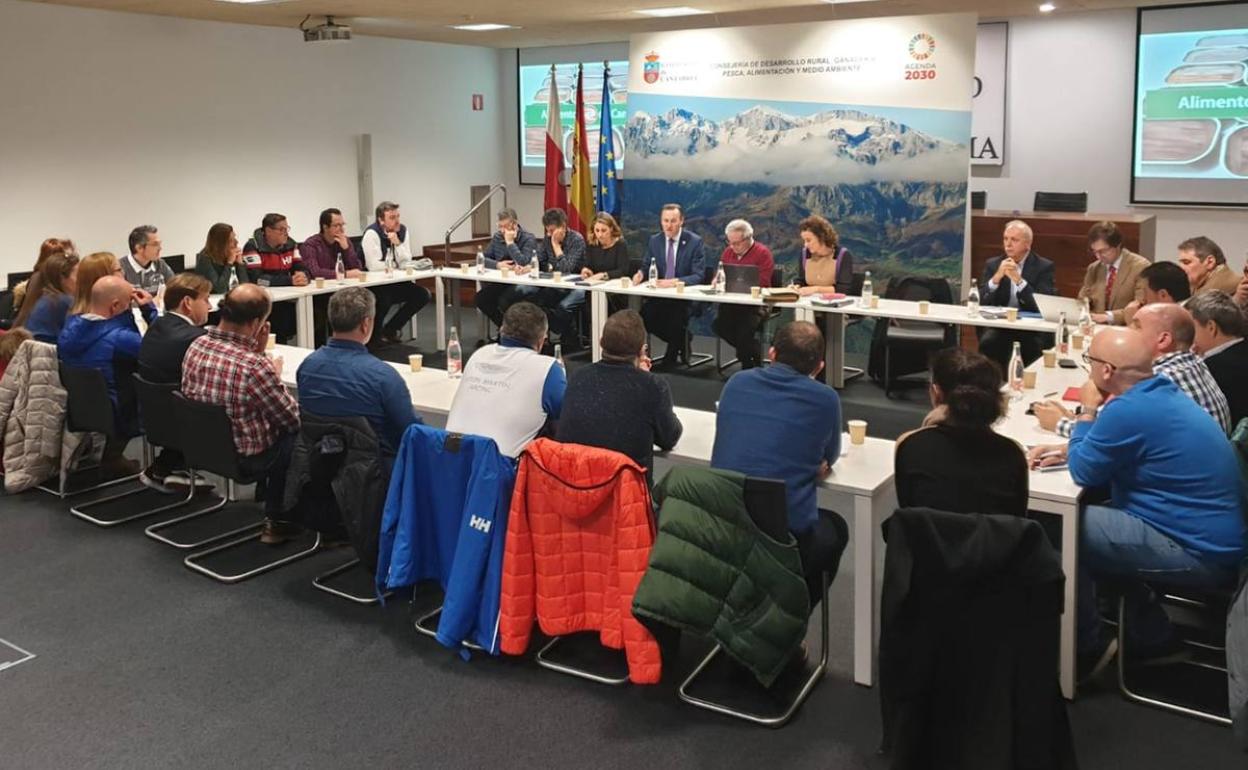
(329, 32)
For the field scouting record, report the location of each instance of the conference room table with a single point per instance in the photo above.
(305, 331)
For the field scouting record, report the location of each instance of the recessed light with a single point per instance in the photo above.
(482, 27)
(1047, 8)
(676, 10)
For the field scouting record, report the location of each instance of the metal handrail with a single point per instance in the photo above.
(446, 256)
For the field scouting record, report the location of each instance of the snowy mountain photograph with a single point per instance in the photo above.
(892, 181)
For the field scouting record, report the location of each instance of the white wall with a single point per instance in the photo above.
(1068, 127)
(111, 120)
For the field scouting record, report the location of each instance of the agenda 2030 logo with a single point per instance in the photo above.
(922, 48)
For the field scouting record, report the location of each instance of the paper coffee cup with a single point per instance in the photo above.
(271, 342)
(626, 282)
(505, 271)
(1029, 379)
(1011, 314)
(463, 267)
(857, 431)
(756, 291)
(875, 302)
(410, 270)
(680, 287)
(320, 283)
(556, 276)
(1050, 359)
(1076, 340)
(416, 361)
(924, 306)
(363, 277)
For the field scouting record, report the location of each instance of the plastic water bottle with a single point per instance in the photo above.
(654, 274)
(480, 261)
(972, 299)
(454, 356)
(865, 300)
(535, 265)
(390, 263)
(559, 355)
(233, 278)
(720, 279)
(1063, 336)
(1085, 319)
(340, 271)
(159, 291)
(1016, 373)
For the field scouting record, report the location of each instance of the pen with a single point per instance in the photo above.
(1049, 395)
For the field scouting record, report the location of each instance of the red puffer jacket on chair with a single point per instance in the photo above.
(578, 541)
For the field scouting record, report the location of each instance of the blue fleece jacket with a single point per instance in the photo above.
(1167, 462)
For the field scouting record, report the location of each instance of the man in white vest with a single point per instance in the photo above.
(510, 390)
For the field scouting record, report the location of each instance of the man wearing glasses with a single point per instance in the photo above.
(1173, 513)
(1112, 281)
(272, 259)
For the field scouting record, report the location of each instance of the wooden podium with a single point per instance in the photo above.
(1059, 236)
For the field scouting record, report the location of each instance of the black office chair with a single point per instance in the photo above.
(979, 200)
(358, 242)
(764, 329)
(1059, 201)
(176, 263)
(15, 278)
(765, 500)
(158, 413)
(213, 451)
(917, 338)
(88, 409)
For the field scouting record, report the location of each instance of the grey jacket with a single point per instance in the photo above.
(32, 418)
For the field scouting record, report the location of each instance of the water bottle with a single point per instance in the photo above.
(972, 299)
(390, 263)
(654, 274)
(1016, 373)
(1085, 319)
(535, 265)
(340, 271)
(867, 291)
(480, 261)
(1063, 335)
(233, 278)
(559, 355)
(454, 356)
(159, 292)
(720, 279)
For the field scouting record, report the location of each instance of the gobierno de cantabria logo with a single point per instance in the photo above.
(922, 46)
(650, 70)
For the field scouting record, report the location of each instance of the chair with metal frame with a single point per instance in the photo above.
(88, 409)
(767, 506)
(158, 413)
(213, 451)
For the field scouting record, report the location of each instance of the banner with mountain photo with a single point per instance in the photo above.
(865, 121)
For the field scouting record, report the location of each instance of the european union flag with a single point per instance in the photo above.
(606, 191)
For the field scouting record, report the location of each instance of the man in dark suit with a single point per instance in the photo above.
(160, 360)
(1220, 327)
(1012, 280)
(678, 255)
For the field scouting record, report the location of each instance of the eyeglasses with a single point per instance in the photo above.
(1088, 358)
(1108, 251)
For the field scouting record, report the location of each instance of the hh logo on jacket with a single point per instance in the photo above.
(480, 524)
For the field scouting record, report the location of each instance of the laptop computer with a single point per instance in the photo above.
(1052, 307)
(739, 279)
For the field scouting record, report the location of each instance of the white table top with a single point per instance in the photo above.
(374, 278)
(432, 391)
(937, 313)
(496, 276)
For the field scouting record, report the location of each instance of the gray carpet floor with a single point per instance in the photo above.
(141, 663)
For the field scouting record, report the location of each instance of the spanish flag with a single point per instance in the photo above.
(556, 193)
(581, 203)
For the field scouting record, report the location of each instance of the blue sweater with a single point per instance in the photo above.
(446, 519)
(342, 379)
(48, 318)
(1167, 462)
(776, 423)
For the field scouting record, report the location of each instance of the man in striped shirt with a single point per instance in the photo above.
(1170, 330)
(228, 367)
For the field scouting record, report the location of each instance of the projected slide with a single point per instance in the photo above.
(535, 85)
(1191, 128)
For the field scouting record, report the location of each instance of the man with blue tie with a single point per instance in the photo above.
(1012, 280)
(678, 255)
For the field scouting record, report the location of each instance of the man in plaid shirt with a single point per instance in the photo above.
(1170, 330)
(227, 367)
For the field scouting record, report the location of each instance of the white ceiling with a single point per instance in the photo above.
(543, 22)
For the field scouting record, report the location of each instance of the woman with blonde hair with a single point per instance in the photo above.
(91, 269)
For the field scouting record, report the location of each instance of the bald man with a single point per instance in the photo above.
(1168, 330)
(107, 339)
(1173, 514)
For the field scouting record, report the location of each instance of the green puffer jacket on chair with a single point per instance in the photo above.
(713, 572)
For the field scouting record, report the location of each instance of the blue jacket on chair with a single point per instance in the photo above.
(446, 519)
